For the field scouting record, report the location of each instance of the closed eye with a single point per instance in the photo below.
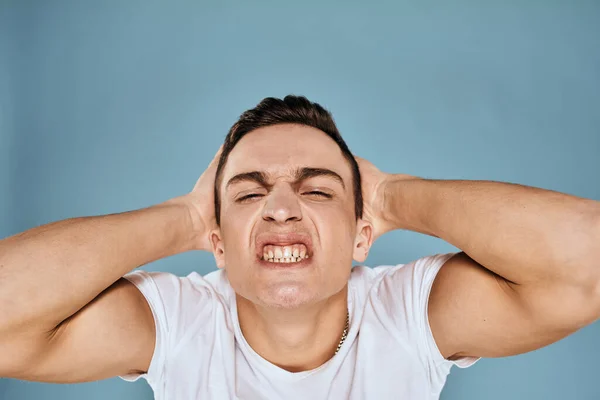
(318, 193)
(249, 196)
(312, 193)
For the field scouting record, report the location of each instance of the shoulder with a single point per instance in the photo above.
(418, 274)
(400, 295)
(179, 299)
(399, 291)
(169, 284)
(182, 307)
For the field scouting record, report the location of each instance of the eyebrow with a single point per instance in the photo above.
(300, 174)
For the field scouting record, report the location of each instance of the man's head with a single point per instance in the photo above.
(286, 182)
(291, 110)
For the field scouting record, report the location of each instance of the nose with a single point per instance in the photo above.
(282, 206)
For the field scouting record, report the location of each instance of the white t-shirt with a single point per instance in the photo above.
(389, 352)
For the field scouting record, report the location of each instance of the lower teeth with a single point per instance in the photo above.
(282, 260)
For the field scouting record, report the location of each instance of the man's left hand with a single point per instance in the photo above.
(376, 197)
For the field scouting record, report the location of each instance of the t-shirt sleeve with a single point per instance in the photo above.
(156, 287)
(179, 305)
(404, 291)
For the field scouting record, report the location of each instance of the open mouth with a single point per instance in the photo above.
(285, 254)
(284, 248)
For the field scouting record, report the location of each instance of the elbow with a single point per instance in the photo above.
(583, 247)
(595, 292)
(583, 264)
(592, 303)
(592, 264)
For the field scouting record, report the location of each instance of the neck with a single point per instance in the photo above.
(298, 339)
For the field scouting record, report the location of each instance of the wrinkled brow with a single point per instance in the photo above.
(300, 174)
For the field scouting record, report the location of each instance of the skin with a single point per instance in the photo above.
(290, 307)
(527, 277)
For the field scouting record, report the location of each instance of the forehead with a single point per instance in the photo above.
(278, 149)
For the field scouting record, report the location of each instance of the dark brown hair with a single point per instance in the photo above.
(290, 110)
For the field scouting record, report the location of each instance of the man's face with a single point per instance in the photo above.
(288, 227)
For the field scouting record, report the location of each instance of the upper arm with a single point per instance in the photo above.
(112, 335)
(474, 312)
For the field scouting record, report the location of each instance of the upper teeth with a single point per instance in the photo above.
(285, 254)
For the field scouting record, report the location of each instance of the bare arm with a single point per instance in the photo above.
(530, 271)
(65, 314)
(50, 273)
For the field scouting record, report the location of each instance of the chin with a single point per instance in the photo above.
(287, 295)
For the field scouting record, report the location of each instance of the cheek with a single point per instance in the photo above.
(233, 212)
(336, 232)
(235, 233)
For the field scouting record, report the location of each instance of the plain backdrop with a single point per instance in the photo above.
(109, 106)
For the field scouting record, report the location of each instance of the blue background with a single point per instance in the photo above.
(115, 105)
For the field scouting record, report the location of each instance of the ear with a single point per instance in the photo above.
(218, 249)
(363, 240)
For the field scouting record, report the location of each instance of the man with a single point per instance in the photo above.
(286, 316)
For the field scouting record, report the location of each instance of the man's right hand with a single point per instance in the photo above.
(202, 203)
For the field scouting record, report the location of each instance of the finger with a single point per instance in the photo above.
(215, 159)
(218, 153)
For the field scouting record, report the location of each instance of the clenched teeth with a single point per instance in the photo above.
(285, 254)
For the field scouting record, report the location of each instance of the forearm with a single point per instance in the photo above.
(523, 234)
(50, 272)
